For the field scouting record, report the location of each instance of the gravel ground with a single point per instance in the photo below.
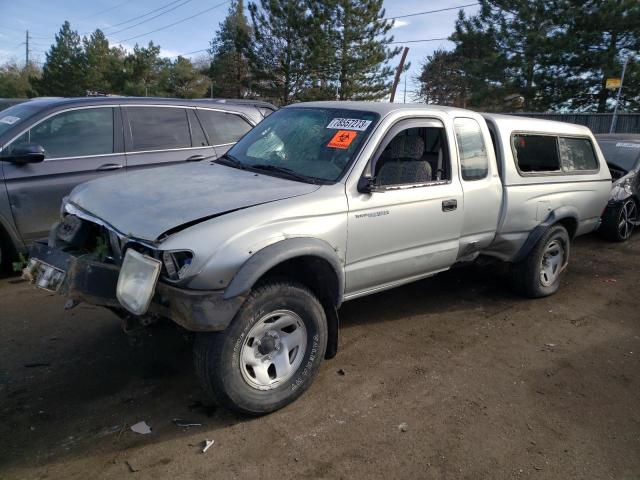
(450, 377)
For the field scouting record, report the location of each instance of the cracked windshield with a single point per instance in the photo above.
(311, 144)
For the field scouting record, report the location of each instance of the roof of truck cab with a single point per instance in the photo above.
(528, 124)
(382, 108)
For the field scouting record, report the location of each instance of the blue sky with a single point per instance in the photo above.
(44, 18)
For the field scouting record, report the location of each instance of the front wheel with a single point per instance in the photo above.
(538, 275)
(270, 353)
(619, 220)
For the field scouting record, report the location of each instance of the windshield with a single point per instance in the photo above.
(16, 114)
(621, 154)
(307, 143)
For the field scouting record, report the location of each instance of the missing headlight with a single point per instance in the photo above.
(177, 263)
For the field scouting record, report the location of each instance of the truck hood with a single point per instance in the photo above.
(152, 202)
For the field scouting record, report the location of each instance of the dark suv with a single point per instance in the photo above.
(48, 146)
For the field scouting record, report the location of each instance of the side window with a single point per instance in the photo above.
(577, 154)
(197, 134)
(471, 149)
(413, 156)
(76, 133)
(536, 153)
(158, 128)
(223, 128)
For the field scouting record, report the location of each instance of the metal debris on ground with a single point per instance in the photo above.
(141, 428)
(207, 445)
(179, 422)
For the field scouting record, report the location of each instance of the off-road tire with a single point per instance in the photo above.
(610, 228)
(217, 355)
(7, 253)
(526, 274)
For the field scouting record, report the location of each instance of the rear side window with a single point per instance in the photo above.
(536, 153)
(158, 128)
(75, 133)
(471, 149)
(577, 154)
(223, 128)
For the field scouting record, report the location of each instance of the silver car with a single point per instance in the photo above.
(319, 204)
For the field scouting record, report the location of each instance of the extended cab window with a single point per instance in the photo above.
(158, 128)
(413, 156)
(577, 154)
(536, 153)
(471, 149)
(223, 128)
(75, 133)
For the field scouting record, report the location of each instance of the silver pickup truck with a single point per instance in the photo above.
(319, 204)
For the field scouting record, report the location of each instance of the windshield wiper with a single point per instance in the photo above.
(230, 161)
(284, 170)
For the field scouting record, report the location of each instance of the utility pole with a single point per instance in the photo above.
(396, 80)
(614, 120)
(26, 56)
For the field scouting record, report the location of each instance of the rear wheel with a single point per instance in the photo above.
(6, 253)
(619, 220)
(270, 353)
(538, 275)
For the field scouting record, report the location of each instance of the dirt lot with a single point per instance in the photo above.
(489, 386)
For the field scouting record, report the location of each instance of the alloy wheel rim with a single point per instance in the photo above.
(552, 261)
(627, 219)
(273, 350)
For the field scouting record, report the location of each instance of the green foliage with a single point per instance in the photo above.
(231, 50)
(544, 54)
(184, 81)
(64, 69)
(21, 264)
(15, 82)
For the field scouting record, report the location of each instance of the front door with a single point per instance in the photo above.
(80, 144)
(409, 227)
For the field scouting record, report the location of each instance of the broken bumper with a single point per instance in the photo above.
(84, 279)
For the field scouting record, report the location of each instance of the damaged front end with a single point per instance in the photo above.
(88, 261)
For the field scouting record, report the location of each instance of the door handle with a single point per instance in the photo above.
(109, 166)
(195, 158)
(449, 205)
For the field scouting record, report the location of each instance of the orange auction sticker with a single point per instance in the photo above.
(342, 139)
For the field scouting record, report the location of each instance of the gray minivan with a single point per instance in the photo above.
(49, 146)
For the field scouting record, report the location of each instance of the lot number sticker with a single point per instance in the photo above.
(350, 123)
(342, 139)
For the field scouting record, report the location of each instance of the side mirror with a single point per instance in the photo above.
(24, 153)
(367, 184)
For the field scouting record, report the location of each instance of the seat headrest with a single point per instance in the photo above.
(406, 147)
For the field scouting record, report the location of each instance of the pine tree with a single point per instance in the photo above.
(361, 49)
(98, 62)
(596, 38)
(231, 48)
(184, 81)
(16, 82)
(279, 59)
(146, 71)
(63, 73)
(441, 80)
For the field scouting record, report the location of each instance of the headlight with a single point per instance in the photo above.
(137, 281)
(177, 263)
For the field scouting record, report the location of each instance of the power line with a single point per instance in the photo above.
(422, 40)
(189, 53)
(432, 11)
(144, 14)
(150, 18)
(103, 11)
(174, 23)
